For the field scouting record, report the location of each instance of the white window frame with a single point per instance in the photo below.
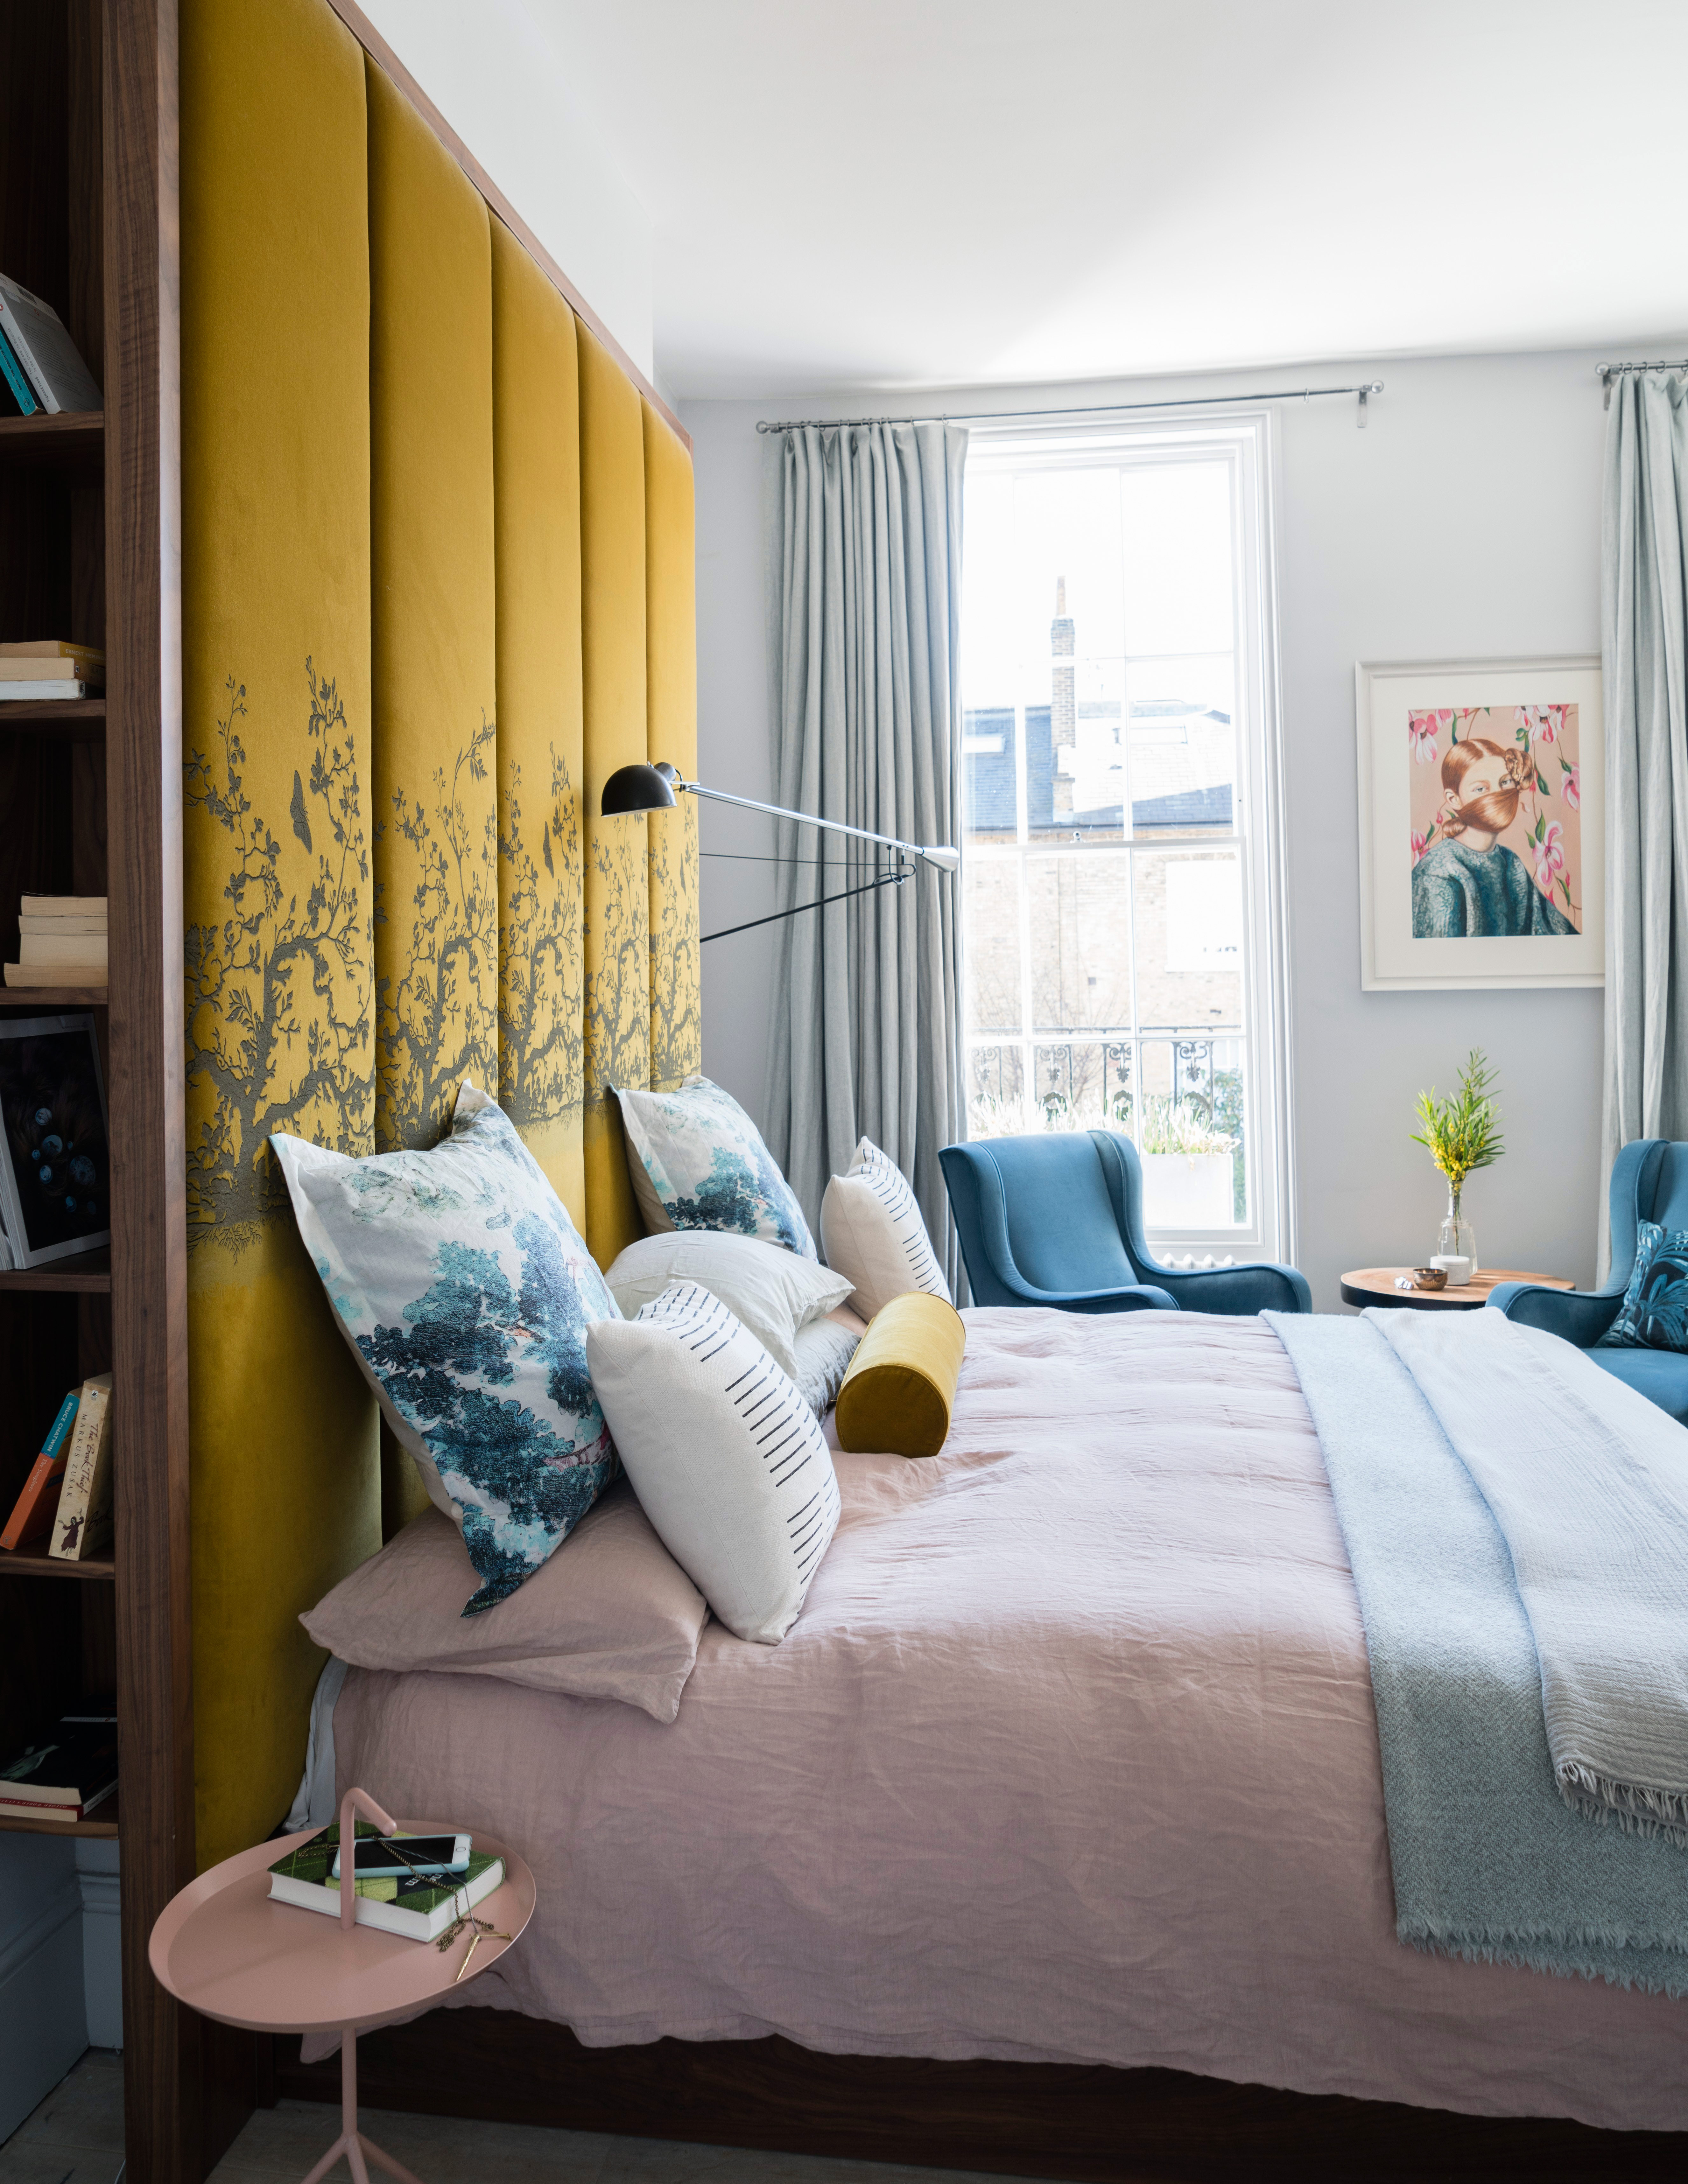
(1246, 438)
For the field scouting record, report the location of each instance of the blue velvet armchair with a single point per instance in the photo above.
(1649, 1182)
(1057, 1220)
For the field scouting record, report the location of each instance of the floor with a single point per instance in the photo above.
(75, 2136)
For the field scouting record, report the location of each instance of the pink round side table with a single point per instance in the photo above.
(227, 1948)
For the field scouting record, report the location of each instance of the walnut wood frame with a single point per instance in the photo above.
(1091, 2124)
(168, 2101)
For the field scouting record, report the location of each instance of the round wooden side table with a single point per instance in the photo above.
(1376, 1286)
(228, 1949)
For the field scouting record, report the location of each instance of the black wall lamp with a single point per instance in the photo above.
(635, 789)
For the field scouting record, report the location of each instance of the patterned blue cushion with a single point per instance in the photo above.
(1654, 1313)
(465, 1292)
(698, 1161)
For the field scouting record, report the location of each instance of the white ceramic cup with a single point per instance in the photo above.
(1458, 1269)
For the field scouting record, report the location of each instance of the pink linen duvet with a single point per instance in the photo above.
(1071, 1756)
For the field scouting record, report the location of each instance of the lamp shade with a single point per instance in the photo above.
(638, 788)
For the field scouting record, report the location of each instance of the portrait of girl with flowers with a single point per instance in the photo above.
(1496, 834)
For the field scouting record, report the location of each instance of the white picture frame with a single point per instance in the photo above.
(1388, 695)
(66, 1047)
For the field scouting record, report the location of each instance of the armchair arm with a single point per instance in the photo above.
(1137, 1296)
(1579, 1316)
(1257, 1285)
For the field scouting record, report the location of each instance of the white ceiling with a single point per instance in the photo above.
(907, 192)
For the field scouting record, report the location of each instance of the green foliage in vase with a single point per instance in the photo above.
(1461, 1133)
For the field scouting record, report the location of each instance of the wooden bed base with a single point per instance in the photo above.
(1090, 2124)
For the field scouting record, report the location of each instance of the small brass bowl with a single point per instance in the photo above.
(1430, 1277)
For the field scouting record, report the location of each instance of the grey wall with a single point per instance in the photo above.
(1464, 522)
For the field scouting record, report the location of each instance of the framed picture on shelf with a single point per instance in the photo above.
(55, 1154)
(1482, 823)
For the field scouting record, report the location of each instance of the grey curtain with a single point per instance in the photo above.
(1644, 634)
(865, 571)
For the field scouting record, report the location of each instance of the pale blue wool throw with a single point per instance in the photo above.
(1489, 1860)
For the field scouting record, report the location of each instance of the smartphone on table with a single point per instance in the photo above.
(378, 1856)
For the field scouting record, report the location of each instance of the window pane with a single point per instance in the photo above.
(1177, 557)
(1189, 938)
(996, 1093)
(1075, 760)
(1066, 564)
(990, 792)
(1105, 785)
(989, 662)
(1190, 1134)
(1080, 918)
(992, 955)
(1183, 744)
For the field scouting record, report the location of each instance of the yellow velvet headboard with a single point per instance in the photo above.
(437, 560)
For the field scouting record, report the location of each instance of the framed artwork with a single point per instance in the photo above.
(1482, 823)
(55, 1154)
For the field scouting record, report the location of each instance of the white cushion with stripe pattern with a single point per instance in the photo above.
(725, 1455)
(872, 1233)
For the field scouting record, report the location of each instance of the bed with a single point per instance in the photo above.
(1072, 1759)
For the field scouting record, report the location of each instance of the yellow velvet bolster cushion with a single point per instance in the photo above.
(900, 1388)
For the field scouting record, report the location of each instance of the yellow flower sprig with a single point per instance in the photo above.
(1461, 1133)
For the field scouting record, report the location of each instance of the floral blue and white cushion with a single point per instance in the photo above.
(465, 1292)
(1654, 1313)
(698, 1161)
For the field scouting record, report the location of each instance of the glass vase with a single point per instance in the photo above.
(1455, 1241)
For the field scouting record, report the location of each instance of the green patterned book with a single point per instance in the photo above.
(422, 1909)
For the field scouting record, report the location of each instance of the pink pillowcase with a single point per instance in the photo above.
(610, 1616)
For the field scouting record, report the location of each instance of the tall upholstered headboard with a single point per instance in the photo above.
(437, 584)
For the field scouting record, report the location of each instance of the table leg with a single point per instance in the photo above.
(352, 2142)
(359, 2150)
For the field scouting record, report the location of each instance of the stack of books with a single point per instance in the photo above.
(68, 1774)
(41, 669)
(61, 941)
(421, 1907)
(39, 362)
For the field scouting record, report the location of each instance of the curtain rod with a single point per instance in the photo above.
(1085, 408)
(1606, 373)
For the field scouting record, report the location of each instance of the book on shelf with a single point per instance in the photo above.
(94, 924)
(58, 377)
(13, 687)
(17, 379)
(44, 676)
(68, 1774)
(58, 947)
(36, 1505)
(55, 974)
(81, 1524)
(422, 1908)
(64, 905)
(52, 648)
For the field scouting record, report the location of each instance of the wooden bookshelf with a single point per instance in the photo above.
(90, 804)
(81, 718)
(35, 1562)
(55, 997)
(72, 443)
(87, 1274)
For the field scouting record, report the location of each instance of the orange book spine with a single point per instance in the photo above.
(35, 1508)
